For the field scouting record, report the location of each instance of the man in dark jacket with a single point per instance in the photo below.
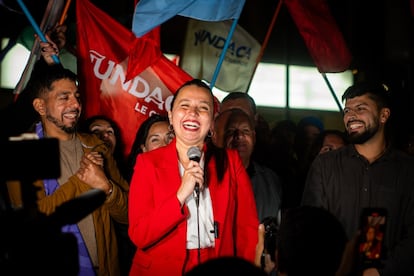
(368, 173)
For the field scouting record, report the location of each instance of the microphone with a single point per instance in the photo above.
(194, 154)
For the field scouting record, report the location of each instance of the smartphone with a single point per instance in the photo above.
(370, 246)
(271, 229)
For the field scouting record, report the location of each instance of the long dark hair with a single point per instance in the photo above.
(140, 138)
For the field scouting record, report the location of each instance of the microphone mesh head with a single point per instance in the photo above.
(194, 153)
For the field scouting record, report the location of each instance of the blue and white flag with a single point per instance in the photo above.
(150, 14)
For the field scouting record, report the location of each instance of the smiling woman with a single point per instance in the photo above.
(163, 186)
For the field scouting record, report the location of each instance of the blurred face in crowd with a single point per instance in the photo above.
(240, 135)
(104, 130)
(158, 136)
(240, 103)
(219, 128)
(311, 132)
(331, 142)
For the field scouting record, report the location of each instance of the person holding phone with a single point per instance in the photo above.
(369, 172)
(371, 248)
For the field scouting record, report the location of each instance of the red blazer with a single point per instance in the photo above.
(157, 224)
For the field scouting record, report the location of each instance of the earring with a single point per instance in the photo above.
(210, 134)
(171, 129)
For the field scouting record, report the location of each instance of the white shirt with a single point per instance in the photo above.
(205, 218)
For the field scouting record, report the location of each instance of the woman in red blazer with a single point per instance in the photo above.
(173, 227)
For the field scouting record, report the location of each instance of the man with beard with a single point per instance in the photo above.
(85, 162)
(368, 173)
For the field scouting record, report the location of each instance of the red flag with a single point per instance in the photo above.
(144, 52)
(103, 49)
(321, 34)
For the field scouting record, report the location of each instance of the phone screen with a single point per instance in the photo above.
(373, 222)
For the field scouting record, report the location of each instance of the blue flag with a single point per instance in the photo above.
(150, 14)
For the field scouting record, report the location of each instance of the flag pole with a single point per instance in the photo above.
(65, 12)
(223, 53)
(333, 93)
(225, 47)
(265, 42)
(36, 27)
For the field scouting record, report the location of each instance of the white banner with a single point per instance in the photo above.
(202, 49)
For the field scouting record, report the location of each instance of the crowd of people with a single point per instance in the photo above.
(200, 182)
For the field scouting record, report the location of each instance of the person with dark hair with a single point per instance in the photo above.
(246, 103)
(109, 132)
(153, 133)
(219, 128)
(239, 134)
(307, 130)
(330, 139)
(85, 163)
(368, 173)
(242, 101)
(309, 241)
(326, 141)
(190, 201)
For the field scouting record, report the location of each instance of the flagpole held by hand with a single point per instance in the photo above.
(36, 27)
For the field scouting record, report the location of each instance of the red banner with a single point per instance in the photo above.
(103, 47)
(321, 34)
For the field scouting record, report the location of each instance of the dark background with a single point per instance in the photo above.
(379, 35)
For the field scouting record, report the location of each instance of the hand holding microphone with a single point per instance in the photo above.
(193, 177)
(194, 154)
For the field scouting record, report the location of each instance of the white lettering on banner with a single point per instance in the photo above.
(233, 60)
(98, 58)
(240, 51)
(156, 97)
(141, 109)
(137, 87)
(168, 101)
(152, 112)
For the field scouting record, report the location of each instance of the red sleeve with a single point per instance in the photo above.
(154, 209)
(247, 221)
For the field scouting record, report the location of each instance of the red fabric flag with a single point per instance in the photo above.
(103, 50)
(144, 52)
(321, 34)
